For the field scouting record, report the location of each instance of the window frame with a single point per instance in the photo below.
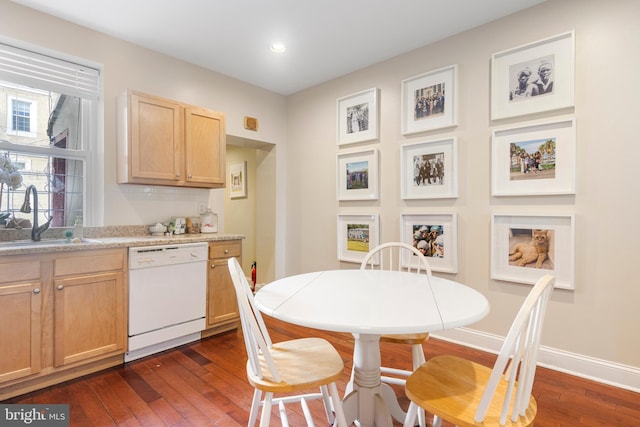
(92, 130)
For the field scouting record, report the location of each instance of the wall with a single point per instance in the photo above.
(240, 213)
(593, 328)
(129, 66)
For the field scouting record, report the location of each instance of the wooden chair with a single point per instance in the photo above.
(399, 256)
(469, 394)
(286, 367)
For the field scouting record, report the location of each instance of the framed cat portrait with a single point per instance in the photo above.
(524, 247)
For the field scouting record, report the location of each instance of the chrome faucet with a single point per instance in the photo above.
(36, 231)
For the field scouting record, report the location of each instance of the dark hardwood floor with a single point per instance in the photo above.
(204, 384)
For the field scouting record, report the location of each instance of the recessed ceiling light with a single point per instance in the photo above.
(278, 47)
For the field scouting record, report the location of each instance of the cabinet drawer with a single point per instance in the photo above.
(225, 249)
(20, 271)
(88, 262)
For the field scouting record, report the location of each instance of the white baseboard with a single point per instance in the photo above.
(603, 371)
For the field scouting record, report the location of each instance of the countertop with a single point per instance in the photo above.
(100, 238)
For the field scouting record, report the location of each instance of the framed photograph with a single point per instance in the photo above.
(238, 180)
(525, 247)
(429, 169)
(358, 117)
(435, 235)
(533, 78)
(429, 100)
(357, 175)
(534, 159)
(357, 235)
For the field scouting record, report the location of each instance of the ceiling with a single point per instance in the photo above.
(325, 39)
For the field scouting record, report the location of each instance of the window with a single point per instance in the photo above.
(51, 137)
(21, 117)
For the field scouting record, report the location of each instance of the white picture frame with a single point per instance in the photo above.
(358, 233)
(435, 235)
(535, 158)
(357, 117)
(238, 180)
(429, 100)
(510, 230)
(357, 175)
(555, 55)
(429, 169)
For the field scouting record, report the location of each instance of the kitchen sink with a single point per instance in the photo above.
(44, 242)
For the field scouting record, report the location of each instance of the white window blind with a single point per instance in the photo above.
(35, 69)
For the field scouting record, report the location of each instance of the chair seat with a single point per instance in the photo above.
(406, 338)
(455, 398)
(302, 363)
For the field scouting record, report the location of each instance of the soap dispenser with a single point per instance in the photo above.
(78, 229)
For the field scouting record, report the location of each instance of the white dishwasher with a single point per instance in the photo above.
(167, 297)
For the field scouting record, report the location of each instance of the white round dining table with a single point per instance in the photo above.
(367, 304)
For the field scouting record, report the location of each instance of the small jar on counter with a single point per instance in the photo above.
(208, 222)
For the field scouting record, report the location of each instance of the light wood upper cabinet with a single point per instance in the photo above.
(205, 147)
(164, 142)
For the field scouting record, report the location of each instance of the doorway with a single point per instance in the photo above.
(254, 215)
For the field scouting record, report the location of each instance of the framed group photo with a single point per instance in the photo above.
(357, 235)
(534, 159)
(358, 117)
(357, 175)
(525, 247)
(433, 234)
(429, 169)
(533, 78)
(429, 100)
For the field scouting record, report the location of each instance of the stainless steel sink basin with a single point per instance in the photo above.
(44, 242)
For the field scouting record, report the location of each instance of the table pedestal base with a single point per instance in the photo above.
(369, 401)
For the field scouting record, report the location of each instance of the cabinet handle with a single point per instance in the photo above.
(226, 251)
(213, 266)
(177, 175)
(36, 291)
(60, 287)
(190, 176)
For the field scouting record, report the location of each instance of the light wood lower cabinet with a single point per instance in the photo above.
(222, 306)
(20, 308)
(65, 319)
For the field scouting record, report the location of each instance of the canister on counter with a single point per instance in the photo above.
(193, 225)
(208, 222)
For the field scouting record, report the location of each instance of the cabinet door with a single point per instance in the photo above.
(154, 139)
(20, 330)
(205, 147)
(222, 305)
(89, 317)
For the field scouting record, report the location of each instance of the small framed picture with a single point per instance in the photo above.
(357, 235)
(534, 159)
(238, 180)
(358, 117)
(429, 100)
(525, 247)
(357, 175)
(429, 169)
(433, 234)
(533, 78)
